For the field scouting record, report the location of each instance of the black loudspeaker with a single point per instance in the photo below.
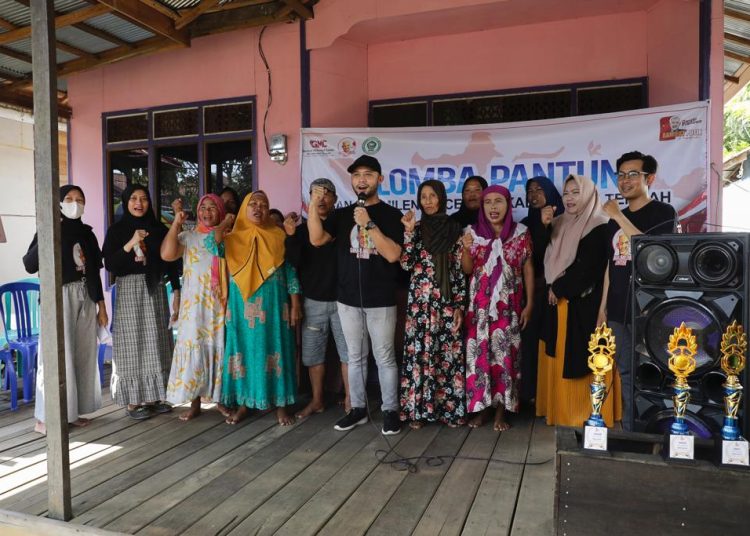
(702, 279)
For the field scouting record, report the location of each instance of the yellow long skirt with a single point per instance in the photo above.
(568, 402)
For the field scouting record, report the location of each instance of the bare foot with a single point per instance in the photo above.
(478, 420)
(455, 424)
(225, 411)
(237, 416)
(81, 422)
(283, 416)
(192, 413)
(416, 425)
(500, 423)
(312, 407)
(40, 428)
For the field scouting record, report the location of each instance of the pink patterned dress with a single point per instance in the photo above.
(493, 342)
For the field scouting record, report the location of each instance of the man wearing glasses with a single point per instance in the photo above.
(635, 173)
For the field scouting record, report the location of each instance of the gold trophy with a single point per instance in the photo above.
(733, 349)
(682, 348)
(601, 360)
(732, 447)
(679, 444)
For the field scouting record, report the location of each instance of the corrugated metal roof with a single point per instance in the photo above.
(25, 46)
(15, 66)
(731, 66)
(740, 28)
(18, 14)
(119, 28)
(84, 41)
(179, 4)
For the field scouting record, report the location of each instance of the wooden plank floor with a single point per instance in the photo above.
(164, 477)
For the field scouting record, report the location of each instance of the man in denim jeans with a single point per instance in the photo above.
(317, 272)
(368, 237)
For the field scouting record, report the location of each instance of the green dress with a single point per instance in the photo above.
(259, 357)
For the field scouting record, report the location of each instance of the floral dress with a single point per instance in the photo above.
(432, 373)
(199, 349)
(259, 359)
(493, 344)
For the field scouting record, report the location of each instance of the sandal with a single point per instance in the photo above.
(160, 407)
(139, 413)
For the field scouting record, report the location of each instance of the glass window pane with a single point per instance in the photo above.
(177, 168)
(230, 163)
(125, 168)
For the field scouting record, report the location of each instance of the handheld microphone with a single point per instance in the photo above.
(361, 198)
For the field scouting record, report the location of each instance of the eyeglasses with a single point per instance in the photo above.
(630, 175)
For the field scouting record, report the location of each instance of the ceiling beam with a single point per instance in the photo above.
(191, 14)
(729, 12)
(733, 79)
(70, 49)
(169, 12)
(226, 21)
(7, 25)
(738, 57)
(21, 56)
(302, 10)
(68, 19)
(101, 34)
(737, 39)
(10, 76)
(149, 18)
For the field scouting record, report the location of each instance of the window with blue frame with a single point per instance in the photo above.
(503, 106)
(184, 150)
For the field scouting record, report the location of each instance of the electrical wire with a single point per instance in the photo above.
(262, 54)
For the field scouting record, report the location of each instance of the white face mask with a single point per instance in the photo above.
(71, 209)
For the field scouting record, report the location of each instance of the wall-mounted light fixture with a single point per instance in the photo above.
(277, 148)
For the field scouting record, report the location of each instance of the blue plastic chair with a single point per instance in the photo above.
(23, 339)
(10, 380)
(102, 346)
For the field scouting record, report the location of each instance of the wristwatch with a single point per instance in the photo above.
(370, 225)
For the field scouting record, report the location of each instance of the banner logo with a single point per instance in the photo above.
(674, 127)
(347, 147)
(371, 145)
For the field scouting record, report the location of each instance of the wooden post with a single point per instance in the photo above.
(46, 176)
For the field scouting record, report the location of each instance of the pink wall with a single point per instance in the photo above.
(214, 67)
(338, 85)
(673, 45)
(541, 54)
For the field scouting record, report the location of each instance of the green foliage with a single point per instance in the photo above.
(737, 122)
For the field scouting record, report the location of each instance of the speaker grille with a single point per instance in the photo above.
(667, 315)
(714, 264)
(656, 263)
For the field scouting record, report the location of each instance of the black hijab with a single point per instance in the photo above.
(74, 232)
(122, 231)
(439, 234)
(465, 216)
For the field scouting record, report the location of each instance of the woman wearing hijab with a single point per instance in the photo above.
(432, 373)
(142, 343)
(471, 194)
(83, 310)
(574, 262)
(259, 357)
(497, 254)
(541, 196)
(199, 349)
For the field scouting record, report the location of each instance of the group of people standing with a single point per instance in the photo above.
(497, 312)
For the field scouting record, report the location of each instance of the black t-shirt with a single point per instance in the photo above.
(316, 266)
(653, 218)
(358, 260)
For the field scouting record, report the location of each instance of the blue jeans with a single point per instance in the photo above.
(380, 324)
(320, 318)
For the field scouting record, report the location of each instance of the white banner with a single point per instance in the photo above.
(511, 153)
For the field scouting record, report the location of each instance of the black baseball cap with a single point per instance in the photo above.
(366, 161)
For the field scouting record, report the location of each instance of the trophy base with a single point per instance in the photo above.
(733, 453)
(679, 449)
(595, 440)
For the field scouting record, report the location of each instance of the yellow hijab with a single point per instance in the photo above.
(253, 252)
